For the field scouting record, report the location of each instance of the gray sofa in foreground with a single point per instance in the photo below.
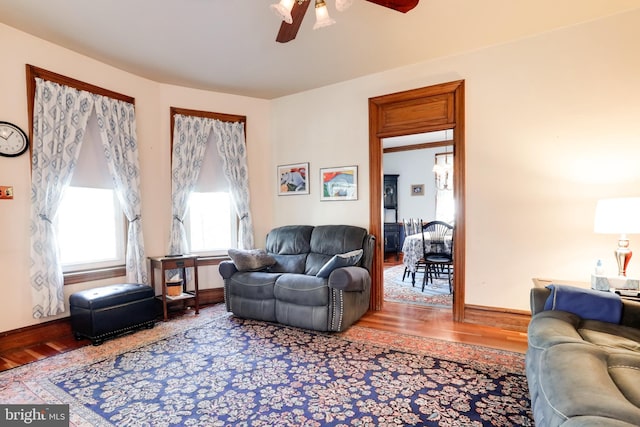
(299, 279)
(583, 372)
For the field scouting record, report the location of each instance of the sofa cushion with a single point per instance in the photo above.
(587, 380)
(289, 245)
(289, 240)
(328, 240)
(302, 289)
(336, 239)
(251, 259)
(553, 327)
(253, 285)
(347, 259)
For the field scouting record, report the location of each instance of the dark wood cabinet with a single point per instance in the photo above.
(391, 238)
(390, 202)
(390, 195)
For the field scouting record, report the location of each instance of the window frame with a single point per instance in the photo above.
(33, 72)
(210, 115)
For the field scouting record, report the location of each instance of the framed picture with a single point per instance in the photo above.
(293, 179)
(417, 189)
(339, 183)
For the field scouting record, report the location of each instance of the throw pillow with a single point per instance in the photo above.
(251, 259)
(586, 303)
(340, 260)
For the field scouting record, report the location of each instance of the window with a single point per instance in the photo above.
(211, 223)
(90, 173)
(91, 224)
(90, 229)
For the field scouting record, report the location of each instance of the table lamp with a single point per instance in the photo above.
(619, 216)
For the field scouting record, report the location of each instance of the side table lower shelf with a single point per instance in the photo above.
(182, 296)
(181, 262)
(187, 299)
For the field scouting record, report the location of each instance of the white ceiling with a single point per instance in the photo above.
(229, 45)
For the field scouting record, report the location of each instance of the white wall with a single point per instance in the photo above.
(415, 167)
(153, 130)
(551, 126)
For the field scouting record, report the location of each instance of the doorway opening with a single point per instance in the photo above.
(429, 109)
(418, 188)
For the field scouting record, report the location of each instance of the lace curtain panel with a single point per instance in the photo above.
(117, 123)
(190, 139)
(59, 122)
(190, 135)
(230, 140)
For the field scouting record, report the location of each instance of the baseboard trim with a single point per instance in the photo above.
(61, 328)
(513, 320)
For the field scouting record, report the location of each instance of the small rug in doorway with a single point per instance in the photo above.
(226, 371)
(398, 290)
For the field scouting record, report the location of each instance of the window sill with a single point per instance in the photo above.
(211, 259)
(82, 276)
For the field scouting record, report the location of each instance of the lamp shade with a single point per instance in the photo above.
(343, 4)
(322, 15)
(283, 10)
(618, 216)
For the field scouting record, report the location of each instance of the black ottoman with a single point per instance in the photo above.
(105, 312)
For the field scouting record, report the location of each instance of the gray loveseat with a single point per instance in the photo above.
(583, 372)
(303, 287)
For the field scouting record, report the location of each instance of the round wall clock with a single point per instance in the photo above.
(13, 140)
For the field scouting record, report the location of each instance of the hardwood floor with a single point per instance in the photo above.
(438, 323)
(394, 317)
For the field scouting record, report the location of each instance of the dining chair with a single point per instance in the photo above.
(437, 249)
(412, 226)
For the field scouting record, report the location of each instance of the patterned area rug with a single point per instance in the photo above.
(217, 370)
(398, 290)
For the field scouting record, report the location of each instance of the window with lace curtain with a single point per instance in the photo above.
(443, 172)
(211, 223)
(90, 223)
(199, 184)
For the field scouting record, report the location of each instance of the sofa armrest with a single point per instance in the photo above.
(227, 269)
(538, 297)
(630, 313)
(350, 279)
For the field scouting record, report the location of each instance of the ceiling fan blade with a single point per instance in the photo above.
(288, 32)
(403, 6)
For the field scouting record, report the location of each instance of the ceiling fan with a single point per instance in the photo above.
(292, 13)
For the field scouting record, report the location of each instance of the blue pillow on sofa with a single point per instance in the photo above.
(586, 303)
(346, 259)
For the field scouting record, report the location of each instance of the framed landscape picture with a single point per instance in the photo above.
(339, 183)
(293, 179)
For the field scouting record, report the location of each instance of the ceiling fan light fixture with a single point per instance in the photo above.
(283, 10)
(343, 4)
(322, 15)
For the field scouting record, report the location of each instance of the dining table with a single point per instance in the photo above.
(412, 251)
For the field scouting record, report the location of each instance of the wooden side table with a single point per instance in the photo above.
(181, 262)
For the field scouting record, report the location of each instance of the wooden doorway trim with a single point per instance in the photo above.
(428, 109)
